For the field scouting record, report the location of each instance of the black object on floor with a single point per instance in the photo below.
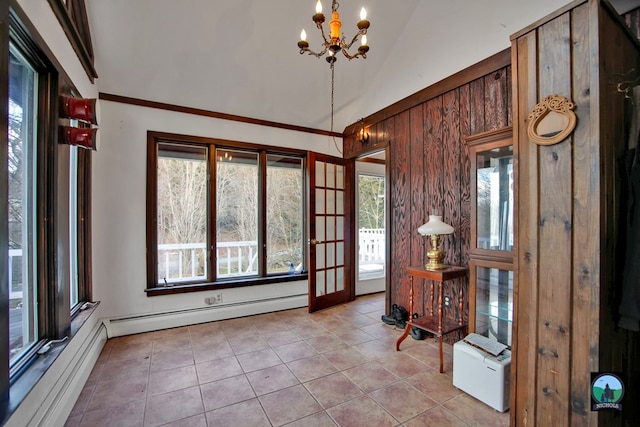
(416, 333)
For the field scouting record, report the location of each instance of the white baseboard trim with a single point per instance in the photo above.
(171, 319)
(51, 400)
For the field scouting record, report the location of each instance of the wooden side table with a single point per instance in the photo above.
(431, 322)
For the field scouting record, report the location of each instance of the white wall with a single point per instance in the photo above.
(119, 200)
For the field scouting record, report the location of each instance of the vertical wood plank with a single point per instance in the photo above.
(451, 174)
(523, 389)
(401, 209)
(465, 177)
(496, 96)
(586, 220)
(556, 235)
(451, 194)
(433, 150)
(476, 96)
(417, 164)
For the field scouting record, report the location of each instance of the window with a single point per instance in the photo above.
(222, 213)
(22, 205)
(371, 229)
(74, 279)
(47, 217)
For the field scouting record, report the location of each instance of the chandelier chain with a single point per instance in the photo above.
(332, 97)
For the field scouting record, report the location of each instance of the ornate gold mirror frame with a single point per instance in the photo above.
(552, 120)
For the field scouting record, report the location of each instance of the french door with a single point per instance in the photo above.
(331, 233)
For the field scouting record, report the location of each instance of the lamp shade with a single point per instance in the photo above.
(435, 226)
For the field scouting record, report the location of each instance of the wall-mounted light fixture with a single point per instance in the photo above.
(78, 130)
(80, 137)
(363, 136)
(83, 109)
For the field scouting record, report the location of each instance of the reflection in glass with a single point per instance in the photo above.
(331, 176)
(320, 234)
(320, 283)
(494, 303)
(339, 177)
(22, 205)
(320, 174)
(331, 281)
(340, 278)
(495, 199)
(331, 255)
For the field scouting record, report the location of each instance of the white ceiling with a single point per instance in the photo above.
(240, 56)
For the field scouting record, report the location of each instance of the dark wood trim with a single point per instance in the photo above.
(262, 213)
(212, 114)
(370, 160)
(476, 71)
(211, 286)
(212, 282)
(75, 34)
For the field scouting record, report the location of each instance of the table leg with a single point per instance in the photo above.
(402, 338)
(407, 329)
(440, 323)
(441, 362)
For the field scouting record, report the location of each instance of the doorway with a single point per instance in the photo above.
(370, 219)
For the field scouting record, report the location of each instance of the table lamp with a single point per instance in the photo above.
(434, 228)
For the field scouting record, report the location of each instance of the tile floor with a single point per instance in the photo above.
(335, 367)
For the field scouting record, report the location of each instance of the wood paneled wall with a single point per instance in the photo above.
(568, 226)
(428, 166)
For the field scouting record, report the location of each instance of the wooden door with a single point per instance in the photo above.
(330, 244)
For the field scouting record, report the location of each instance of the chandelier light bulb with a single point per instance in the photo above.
(364, 40)
(303, 35)
(363, 14)
(318, 7)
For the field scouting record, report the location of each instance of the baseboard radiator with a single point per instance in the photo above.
(175, 318)
(51, 400)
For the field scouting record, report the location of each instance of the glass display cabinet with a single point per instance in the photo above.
(492, 235)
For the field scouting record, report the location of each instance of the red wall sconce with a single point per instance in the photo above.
(80, 137)
(83, 109)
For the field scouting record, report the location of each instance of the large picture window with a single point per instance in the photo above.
(22, 167)
(45, 208)
(222, 214)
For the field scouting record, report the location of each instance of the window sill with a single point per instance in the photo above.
(223, 284)
(37, 367)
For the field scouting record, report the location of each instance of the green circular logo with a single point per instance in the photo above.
(607, 388)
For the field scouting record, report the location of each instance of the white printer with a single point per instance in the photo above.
(481, 374)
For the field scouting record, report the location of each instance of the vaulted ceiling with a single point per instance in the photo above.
(240, 56)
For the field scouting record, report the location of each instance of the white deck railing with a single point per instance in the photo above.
(184, 262)
(188, 261)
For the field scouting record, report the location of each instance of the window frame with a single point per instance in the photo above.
(55, 319)
(72, 15)
(155, 138)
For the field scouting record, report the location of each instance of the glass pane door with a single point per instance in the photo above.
(328, 249)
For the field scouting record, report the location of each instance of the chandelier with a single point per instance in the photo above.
(335, 42)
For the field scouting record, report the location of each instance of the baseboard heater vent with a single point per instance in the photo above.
(127, 325)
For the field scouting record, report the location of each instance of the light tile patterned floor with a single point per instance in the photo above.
(337, 367)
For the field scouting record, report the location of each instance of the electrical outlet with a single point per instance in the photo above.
(447, 300)
(215, 299)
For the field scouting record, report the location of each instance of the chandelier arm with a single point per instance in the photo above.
(327, 41)
(311, 52)
(350, 57)
(358, 34)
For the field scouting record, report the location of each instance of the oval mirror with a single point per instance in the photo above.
(552, 120)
